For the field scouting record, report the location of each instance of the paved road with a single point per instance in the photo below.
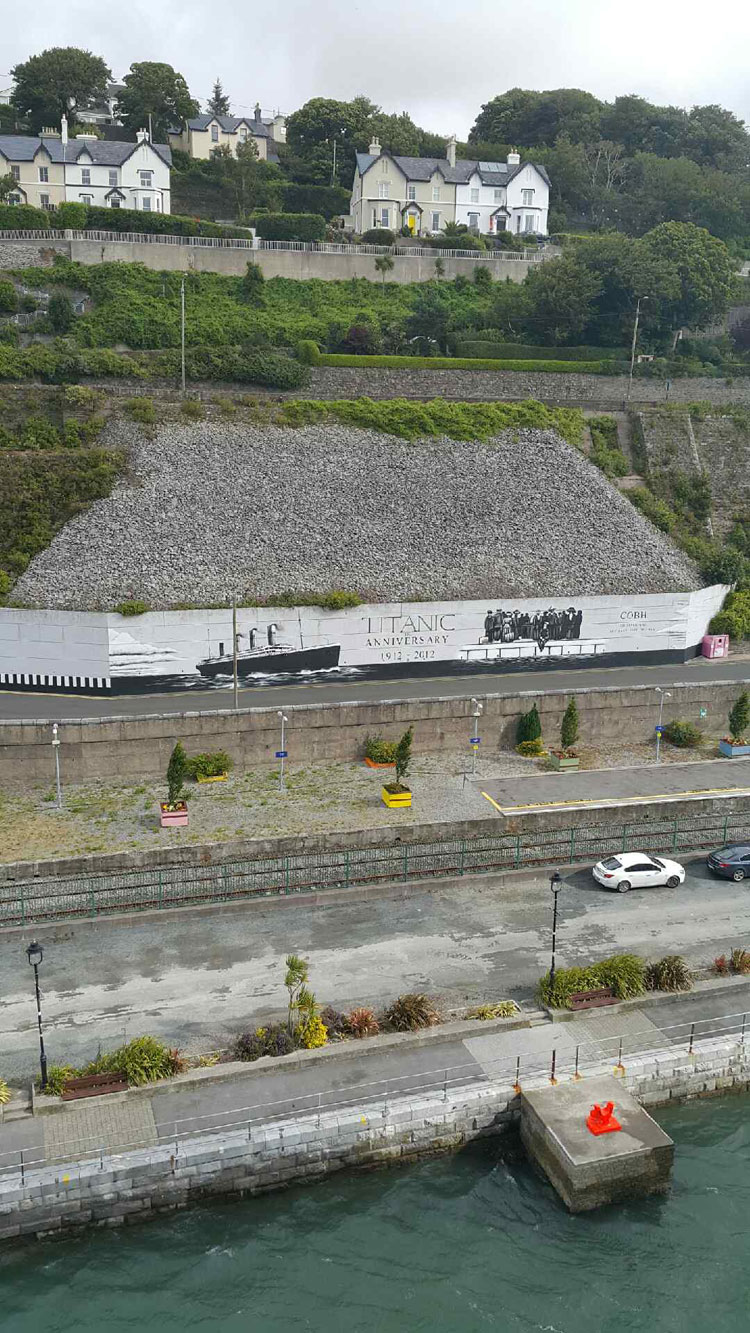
(48, 707)
(198, 977)
(602, 786)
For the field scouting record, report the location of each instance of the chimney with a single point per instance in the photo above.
(64, 129)
(257, 110)
(141, 136)
(374, 149)
(450, 150)
(514, 159)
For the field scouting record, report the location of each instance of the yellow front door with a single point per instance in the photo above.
(412, 223)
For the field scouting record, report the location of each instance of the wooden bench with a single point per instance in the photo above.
(592, 999)
(93, 1085)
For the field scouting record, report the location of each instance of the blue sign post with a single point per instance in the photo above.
(281, 754)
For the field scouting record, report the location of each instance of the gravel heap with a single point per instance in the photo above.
(211, 507)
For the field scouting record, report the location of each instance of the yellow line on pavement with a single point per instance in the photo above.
(625, 800)
(487, 797)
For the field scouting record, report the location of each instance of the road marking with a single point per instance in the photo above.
(487, 797)
(581, 802)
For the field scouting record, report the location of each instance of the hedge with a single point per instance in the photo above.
(23, 217)
(413, 420)
(462, 363)
(496, 348)
(290, 226)
(329, 200)
(239, 365)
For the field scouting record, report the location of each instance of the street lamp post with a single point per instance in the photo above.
(555, 884)
(56, 751)
(635, 340)
(474, 741)
(35, 954)
(281, 753)
(663, 694)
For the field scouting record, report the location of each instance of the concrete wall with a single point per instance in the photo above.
(136, 747)
(261, 1157)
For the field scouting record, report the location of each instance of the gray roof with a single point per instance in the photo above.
(229, 124)
(423, 168)
(103, 152)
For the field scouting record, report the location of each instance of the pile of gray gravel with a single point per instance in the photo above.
(211, 508)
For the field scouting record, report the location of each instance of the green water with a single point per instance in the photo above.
(466, 1243)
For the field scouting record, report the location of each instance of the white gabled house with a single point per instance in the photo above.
(503, 196)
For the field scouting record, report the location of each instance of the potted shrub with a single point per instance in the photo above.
(567, 758)
(174, 811)
(209, 767)
(396, 794)
(379, 753)
(736, 742)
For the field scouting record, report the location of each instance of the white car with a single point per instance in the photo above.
(637, 870)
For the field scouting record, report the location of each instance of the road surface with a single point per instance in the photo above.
(197, 978)
(62, 708)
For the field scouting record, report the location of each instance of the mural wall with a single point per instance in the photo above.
(102, 651)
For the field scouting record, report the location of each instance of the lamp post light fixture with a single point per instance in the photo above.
(281, 752)
(56, 752)
(663, 694)
(35, 954)
(555, 884)
(475, 737)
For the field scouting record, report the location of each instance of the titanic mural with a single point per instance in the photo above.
(513, 634)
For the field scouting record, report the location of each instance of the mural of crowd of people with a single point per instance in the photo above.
(541, 627)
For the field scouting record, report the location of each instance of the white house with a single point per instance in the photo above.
(51, 169)
(503, 196)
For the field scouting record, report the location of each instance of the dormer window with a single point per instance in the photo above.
(214, 134)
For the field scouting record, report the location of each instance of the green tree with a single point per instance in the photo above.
(7, 185)
(60, 312)
(704, 266)
(430, 316)
(402, 755)
(311, 131)
(529, 726)
(508, 118)
(562, 296)
(569, 726)
(384, 264)
(439, 268)
(253, 284)
(297, 975)
(154, 89)
(218, 102)
(739, 718)
(176, 774)
(63, 80)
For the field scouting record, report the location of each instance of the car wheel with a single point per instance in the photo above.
(673, 881)
(738, 875)
(623, 886)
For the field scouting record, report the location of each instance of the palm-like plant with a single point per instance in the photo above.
(384, 264)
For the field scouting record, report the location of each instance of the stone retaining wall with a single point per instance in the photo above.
(113, 1189)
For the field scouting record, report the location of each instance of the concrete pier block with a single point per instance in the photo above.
(589, 1170)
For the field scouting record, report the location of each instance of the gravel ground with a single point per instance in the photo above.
(212, 507)
(120, 817)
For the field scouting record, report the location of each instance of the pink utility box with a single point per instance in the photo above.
(715, 645)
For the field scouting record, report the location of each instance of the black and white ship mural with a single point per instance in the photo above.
(104, 652)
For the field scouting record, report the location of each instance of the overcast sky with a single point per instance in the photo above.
(439, 61)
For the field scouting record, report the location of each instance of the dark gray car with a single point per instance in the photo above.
(731, 862)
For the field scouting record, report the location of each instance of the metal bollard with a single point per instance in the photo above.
(619, 1068)
(517, 1084)
(576, 1075)
(692, 1034)
(552, 1078)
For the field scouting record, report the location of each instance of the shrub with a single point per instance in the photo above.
(668, 974)
(624, 973)
(410, 1012)
(291, 227)
(60, 312)
(362, 1023)
(132, 608)
(721, 965)
(313, 1033)
(739, 717)
(380, 751)
(727, 622)
(683, 734)
(176, 771)
(193, 409)
(308, 352)
(75, 216)
(740, 961)
(273, 1040)
(209, 765)
(4, 1092)
(253, 284)
(402, 755)
(142, 1060)
(531, 749)
(503, 1009)
(142, 410)
(569, 726)
(377, 236)
(8, 298)
(529, 726)
(57, 1077)
(271, 370)
(465, 363)
(335, 1021)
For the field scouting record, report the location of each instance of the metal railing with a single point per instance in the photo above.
(558, 1062)
(161, 887)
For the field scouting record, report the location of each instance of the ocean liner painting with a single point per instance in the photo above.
(270, 657)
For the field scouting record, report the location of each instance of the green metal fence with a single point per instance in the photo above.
(23, 901)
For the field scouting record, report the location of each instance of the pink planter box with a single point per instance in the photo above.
(173, 818)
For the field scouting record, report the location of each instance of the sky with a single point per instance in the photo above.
(438, 62)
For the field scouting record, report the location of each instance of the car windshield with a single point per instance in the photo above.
(611, 863)
(657, 862)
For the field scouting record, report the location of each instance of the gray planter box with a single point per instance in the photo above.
(733, 751)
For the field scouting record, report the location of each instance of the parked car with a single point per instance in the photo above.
(732, 862)
(637, 870)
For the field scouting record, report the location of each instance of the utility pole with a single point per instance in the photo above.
(333, 167)
(182, 333)
(635, 340)
(234, 653)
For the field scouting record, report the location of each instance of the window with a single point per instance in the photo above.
(14, 198)
(113, 177)
(384, 217)
(527, 198)
(411, 192)
(146, 179)
(474, 220)
(85, 175)
(501, 224)
(435, 222)
(214, 134)
(44, 173)
(146, 205)
(16, 173)
(474, 196)
(115, 203)
(498, 196)
(529, 223)
(436, 194)
(518, 222)
(384, 189)
(44, 200)
(87, 198)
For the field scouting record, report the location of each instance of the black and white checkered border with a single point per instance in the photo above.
(34, 680)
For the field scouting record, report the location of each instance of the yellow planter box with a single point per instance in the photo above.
(396, 799)
(216, 777)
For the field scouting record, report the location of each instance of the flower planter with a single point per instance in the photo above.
(732, 751)
(396, 800)
(215, 777)
(564, 762)
(173, 816)
(372, 764)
